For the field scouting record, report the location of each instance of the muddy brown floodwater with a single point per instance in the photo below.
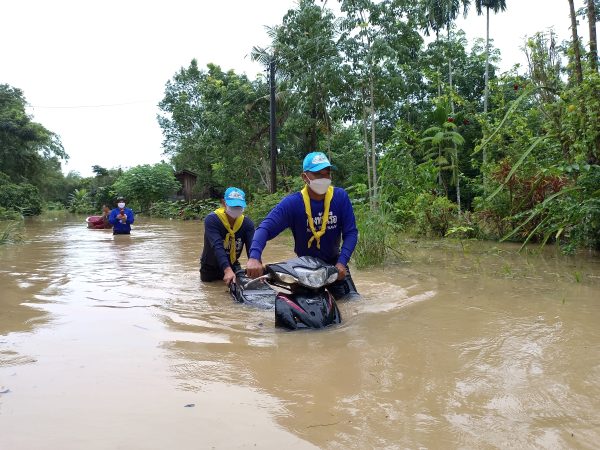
(114, 343)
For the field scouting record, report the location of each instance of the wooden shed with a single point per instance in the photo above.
(188, 181)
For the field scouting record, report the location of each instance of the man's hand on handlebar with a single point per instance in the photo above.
(229, 276)
(341, 271)
(254, 268)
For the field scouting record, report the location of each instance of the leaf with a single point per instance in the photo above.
(512, 108)
(539, 208)
(457, 139)
(438, 137)
(516, 166)
(543, 222)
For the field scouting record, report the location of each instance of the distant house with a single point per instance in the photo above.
(188, 181)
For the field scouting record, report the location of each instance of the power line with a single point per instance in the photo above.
(108, 105)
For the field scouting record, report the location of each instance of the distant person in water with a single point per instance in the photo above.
(226, 232)
(100, 222)
(105, 216)
(121, 218)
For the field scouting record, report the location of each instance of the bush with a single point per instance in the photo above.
(373, 234)
(54, 206)
(180, 209)
(24, 198)
(147, 184)
(435, 214)
(9, 214)
(11, 233)
(80, 201)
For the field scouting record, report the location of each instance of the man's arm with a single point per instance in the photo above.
(130, 216)
(349, 231)
(212, 231)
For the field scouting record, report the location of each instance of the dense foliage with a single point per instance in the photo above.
(427, 136)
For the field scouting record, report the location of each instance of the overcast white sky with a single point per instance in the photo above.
(70, 57)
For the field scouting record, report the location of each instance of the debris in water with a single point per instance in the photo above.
(190, 405)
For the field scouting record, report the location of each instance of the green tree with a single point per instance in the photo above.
(25, 146)
(306, 53)
(215, 123)
(380, 41)
(146, 184)
(24, 197)
(440, 14)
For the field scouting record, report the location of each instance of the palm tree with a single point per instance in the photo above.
(439, 14)
(576, 52)
(496, 6)
(442, 141)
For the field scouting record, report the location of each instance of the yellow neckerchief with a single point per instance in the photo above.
(221, 214)
(317, 234)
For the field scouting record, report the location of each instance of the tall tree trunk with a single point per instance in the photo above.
(439, 75)
(487, 90)
(487, 67)
(591, 13)
(576, 52)
(367, 152)
(373, 153)
(450, 73)
(457, 169)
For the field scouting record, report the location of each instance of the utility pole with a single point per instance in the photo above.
(273, 127)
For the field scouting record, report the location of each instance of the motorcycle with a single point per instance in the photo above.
(296, 289)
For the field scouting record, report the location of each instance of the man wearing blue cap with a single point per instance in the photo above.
(320, 217)
(226, 231)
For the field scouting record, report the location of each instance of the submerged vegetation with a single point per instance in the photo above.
(427, 136)
(10, 232)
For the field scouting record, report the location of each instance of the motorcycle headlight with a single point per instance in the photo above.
(286, 277)
(312, 278)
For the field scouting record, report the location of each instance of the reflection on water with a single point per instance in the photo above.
(112, 341)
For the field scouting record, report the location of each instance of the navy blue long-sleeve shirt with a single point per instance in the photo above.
(215, 254)
(290, 213)
(118, 227)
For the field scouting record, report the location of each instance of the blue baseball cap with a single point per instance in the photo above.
(315, 161)
(235, 197)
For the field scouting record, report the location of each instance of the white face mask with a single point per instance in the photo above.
(320, 185)
(121, 205)
(234, 212)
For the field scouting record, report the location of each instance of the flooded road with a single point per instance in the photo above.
(110, 342)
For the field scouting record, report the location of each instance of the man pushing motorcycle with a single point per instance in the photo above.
(320, 217)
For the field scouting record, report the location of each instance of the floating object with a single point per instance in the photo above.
(97, 223)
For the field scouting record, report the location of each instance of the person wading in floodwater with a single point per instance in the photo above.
(320, 217)
(226, 232)
(121, 218)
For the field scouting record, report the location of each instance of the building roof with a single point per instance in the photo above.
(186, 172)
